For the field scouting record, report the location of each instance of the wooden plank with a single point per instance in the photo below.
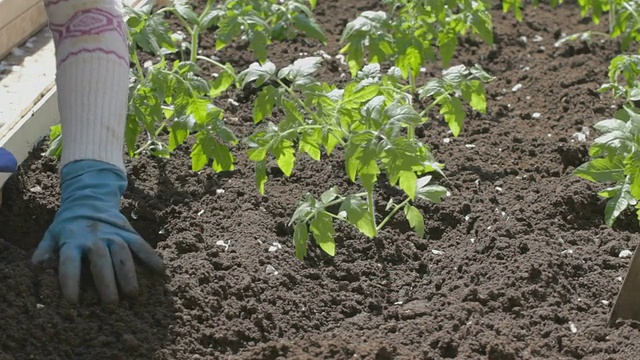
(12, 9)
(19, 29)
(22, 136)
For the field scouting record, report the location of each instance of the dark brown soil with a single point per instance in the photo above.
(521, 266)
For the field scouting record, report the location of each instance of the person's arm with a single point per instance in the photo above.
(92, 81)
(92, 78)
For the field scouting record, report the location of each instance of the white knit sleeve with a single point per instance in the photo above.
(92, 78)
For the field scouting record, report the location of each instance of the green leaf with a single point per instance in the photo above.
(300, 71)
(258, 42)
(55, 142)
(600, 170)
(179, 131)
(263, 105)
(610, 125)
(476, 96)
(310, 142)
(207, 147)
(618, 203)
(447, 42)
(224, 80)
(415, 218)
(408, 180)
(184, 9)
(261, 175)
(322, 229)
(433, 193)
(454, 114)
(309, 27)
(300, 238)
(285, 156)
(358, 214)
(258, 73)
(409, 62)
(329, 195)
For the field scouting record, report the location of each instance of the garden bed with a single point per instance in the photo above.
(524, 267)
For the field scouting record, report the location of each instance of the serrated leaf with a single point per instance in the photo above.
(208, 148)
(329, 195)
(285, 156)
(264, 103)
(433, 193)
(409, 62)
(301, 69)
(258, 42)
(257, 73)
(407, 182)
(184, 9)
(610, 125)
(261, 175)
(310, 142)
(454, 114)
(221, 83)
(179, 131)
(309, 27)
(322, 229)
(358, 215)
(599, 170)
(300, 238)
(415, 218)
(617, 204)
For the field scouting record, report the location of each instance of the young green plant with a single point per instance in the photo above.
(409, 33)
(370, 121)
(615, 155)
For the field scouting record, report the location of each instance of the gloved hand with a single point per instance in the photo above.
(8, 162)
(89, 222)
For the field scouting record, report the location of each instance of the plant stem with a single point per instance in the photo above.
(213, 62)
(434, 103)
(392, 213)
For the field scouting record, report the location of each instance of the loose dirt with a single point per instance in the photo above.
(527, 270)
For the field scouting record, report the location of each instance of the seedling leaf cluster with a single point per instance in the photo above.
(369, 122)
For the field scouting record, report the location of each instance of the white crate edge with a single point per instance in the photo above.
(22, 134)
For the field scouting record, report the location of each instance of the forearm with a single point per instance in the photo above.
(92, 78)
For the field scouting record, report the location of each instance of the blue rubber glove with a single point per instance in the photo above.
(8, 162)
(89, 222)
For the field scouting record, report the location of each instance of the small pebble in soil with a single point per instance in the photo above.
(625, 254)
(226, 244)
(220, 191)
(537, 38)
(437, 252)
(39, 306)
(446, 140)
(498, 188)
(516, 87)
(469, 146)
(275, 246)
(605, 302)
(271, 270)
(573, 327)
(619, 278)
(536, 115)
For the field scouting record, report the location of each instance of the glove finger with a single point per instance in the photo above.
(8, 162)
(45, 249)
(102, 270)
(145, 252)
(124, 266)
(69, 272)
